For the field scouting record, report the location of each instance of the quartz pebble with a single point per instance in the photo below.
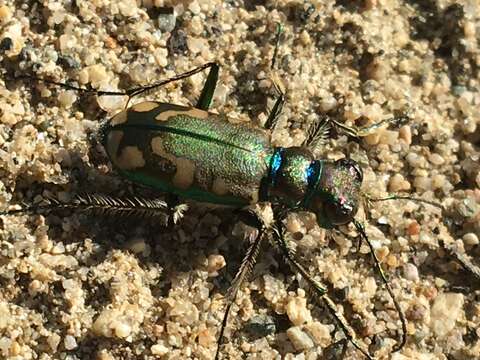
(447, 309)
(410, 272)
(297, 311)
(470, 239)
(300, 339)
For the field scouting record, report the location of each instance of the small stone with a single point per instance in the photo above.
(127, 7)
(67, 98)
(410, 272)
(446, 310)
(382, 253)
(6, 44)
(416, 312)
(438, 181)
(377, 69)
(388, 137)
(468, 207)
(137, 245)
(297, 311)
(370, 287)
(15, 349)
(185, 312)
(206, 338)
(422, 183)
(161, 56)
(215, 263)
(159, 349)
(122, 329)
(398, 183)
(328, 103)
(294, 225)
(68, 62)
(104, 355)
(5, 14)
(197, 45)
(53, 340)
(372, 139)
(299, 339)
(194, 7)
(111, 103)
(436, 159)
(319, 332)
(166, 20)
(405, 133)
(97, 74)
(67, 42)
(5, 344)
(70, 342)
(177, 42)
(470, 239)
(413, 228)
(392, 261)
(15, 33)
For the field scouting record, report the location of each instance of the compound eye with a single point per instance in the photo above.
(353, 167)
(339, 214)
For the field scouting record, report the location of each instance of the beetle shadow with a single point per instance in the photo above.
(177, 250)
(440, 264)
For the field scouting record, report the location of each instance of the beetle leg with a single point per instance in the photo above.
(401, 315)
(316, 287)
(206, 99)
(276, 109)
(277, 44)
(399, 118)
(206, 96)
(337, 350)
(463, 259)
(245, 269)
(317, 134)
(109, 205)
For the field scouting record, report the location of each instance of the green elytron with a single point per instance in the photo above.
(194, 154)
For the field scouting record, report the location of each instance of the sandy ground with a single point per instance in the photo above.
(76, 286)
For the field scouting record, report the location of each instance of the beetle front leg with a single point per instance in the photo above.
(316, 287)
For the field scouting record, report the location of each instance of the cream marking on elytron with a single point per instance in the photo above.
(144, 106)
(119, 118)
(131, 157)
(185, 169)
(192, 112)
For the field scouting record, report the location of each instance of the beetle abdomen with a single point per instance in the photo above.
(189, 152)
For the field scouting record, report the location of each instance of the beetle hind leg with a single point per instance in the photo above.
(138, 207)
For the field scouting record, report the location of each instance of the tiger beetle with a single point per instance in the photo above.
(194, 154)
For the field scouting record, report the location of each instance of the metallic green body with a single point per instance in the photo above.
(202, 156)
(189, 152)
